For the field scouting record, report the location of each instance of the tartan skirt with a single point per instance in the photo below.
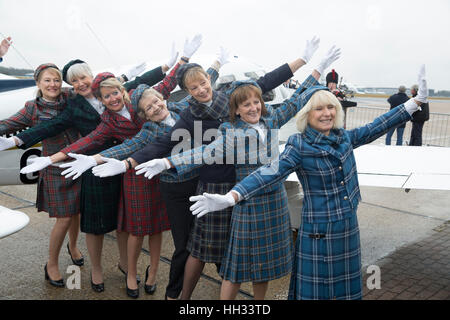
(99, 203)
(58, 196)
(260, 246)
(209, 236)
(327, 265)
(142, 210)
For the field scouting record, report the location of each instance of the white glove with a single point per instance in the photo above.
(223, 57)
(112, 167)
(136, 70)
(422, 93)
(311, 47)
(6, 143)
(332, 55)
(153, 167)
(77, 167)
(190, 47)
(210, 202)
(173, 56)
(36, 164)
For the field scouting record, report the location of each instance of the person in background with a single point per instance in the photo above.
(418, 120)
(395, 100)
(4, 47)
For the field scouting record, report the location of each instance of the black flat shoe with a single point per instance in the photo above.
(56, 283)
(132, 293)
(149, 289)
(138, 279)
(97, 287)
(77, 262)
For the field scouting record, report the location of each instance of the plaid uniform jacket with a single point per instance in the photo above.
(274, 119)
(325, 167)
(57, 196)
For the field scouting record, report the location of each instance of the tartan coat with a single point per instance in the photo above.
(99, 196)
(327, 250)
(260, 243)
(56, 195)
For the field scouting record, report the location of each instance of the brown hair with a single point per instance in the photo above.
(242, 93)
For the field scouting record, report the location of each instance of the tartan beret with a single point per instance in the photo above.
(67, 67)
(99, 79)
(41, 68)
(332, 77)
(182, 71)
(237, 84)
(137, 94)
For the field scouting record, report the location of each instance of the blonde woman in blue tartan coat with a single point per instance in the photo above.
(327, 260)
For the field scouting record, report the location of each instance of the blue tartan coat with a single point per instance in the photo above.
(327, 250)
(260, 244)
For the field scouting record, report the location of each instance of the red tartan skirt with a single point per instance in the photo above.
(58, 196)
(142, 210)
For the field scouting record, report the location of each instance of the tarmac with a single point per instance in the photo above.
(406, 235)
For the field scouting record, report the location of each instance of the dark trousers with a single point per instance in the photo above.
(176, 197)
(416, 134)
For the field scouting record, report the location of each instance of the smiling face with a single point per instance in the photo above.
(322, 117)
(82, 85)
(112, 98)
(199, 87)
(153, 107)
(250, 109)
(49, 83)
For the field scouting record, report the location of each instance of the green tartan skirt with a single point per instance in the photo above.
(99, 203)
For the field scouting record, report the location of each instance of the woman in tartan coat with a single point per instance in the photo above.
(328, 259)
(55, 195)
(99, 197)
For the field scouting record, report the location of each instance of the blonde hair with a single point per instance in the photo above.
(52, 70)
(320, 98)
(78, 70)
(193, 74)
(145, 94)
(113, 83)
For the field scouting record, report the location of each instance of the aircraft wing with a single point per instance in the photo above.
(11, 221)
(406, 167)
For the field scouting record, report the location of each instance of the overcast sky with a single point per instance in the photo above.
(383, 42)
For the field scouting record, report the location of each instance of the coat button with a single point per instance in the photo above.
(340, 168)
(345, 198)
(342, 183)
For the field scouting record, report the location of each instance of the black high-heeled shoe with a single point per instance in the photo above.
(138, 279)
(97, 287)
(56, 283)
(132, 293)
(77, 262)
(150, 289)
